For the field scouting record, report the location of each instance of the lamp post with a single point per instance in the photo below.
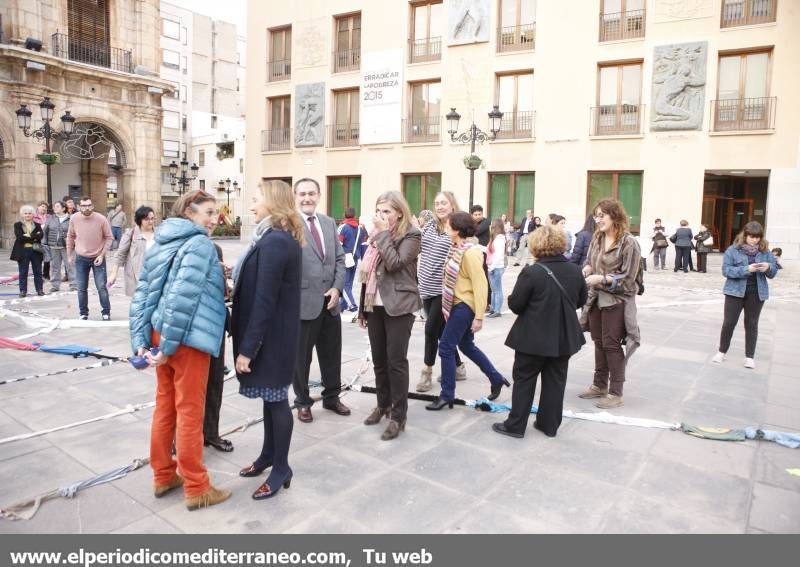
(45, 133)
(228, 189)
(186, 178)
(474, 134)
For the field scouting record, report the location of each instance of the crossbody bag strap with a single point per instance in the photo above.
(558, 283)
(355, 244)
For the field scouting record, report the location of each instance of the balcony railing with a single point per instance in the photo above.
(736, 114)
(516, 125)
(342, 135)
(516, 38)
(77, 49)
(422, 129)
(424, 49)
(279, 70)
(622, 25)
(276, 140)
(346, 60)
(617, 120)
(747, 12)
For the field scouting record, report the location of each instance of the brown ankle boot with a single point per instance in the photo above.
(393, 430)
(376, 415)
(176, 482)
(210, 498)
(593, 392)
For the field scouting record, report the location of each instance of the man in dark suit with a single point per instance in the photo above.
(320, 290)
(525, 228)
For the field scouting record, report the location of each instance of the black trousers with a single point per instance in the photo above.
(325, 334)
(527, 368)
(751, 305)
(388, 338)
(683, 258)
(702, 258)
(214, 388)
(434, 326)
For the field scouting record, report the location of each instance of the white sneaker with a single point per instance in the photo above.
(718, 358)
(749, 363)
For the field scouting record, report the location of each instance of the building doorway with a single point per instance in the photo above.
(732, 198)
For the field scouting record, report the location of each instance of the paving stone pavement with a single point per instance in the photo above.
(448, 472)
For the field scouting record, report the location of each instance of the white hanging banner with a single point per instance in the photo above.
(381, 94)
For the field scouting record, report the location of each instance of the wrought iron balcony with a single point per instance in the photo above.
(741, 114)
(279, 70)
(100, 55)
(346, 60)
(516, 125)
(747, 12)
(276, 140)
(622, 25)
(422, 129)
(342, 135)
(516, 38)
(424, 49)
(617, 120)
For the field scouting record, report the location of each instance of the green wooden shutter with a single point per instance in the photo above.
(600, 187)
(412, 189)
(629, 189)
(498, 195)
(354, 195)
(433, 184)
(336, 204)
(523, 196)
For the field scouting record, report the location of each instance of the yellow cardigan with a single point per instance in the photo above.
(471, 285)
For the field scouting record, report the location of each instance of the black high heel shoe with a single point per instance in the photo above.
(496, 389)
(265, 491)
(252, 470)
(438, 404)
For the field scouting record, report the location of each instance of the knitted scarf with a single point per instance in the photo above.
(748, 249)
(260, 230)
(451, 268)
(367, 268)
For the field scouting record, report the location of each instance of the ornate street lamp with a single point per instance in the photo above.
(472, 135)
(46, 133)
(186, 178)
(228, 189)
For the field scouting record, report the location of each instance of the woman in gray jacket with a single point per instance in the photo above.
(132, 246)
(54, 241)
(389, 300)
(683, 246)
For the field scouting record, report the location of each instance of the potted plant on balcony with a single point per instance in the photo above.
(51, 158)
(472, 161)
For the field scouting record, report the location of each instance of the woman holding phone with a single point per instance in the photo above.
(747, 264)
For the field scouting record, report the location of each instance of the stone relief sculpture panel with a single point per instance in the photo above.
(679, 79)
(672, 10)
(309, 115)
(310, 43)
(468, 21)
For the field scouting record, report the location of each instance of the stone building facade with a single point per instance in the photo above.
(99, 59)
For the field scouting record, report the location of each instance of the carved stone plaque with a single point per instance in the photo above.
(310, 43)
(309, 115)
(468, 21)
(679, 86)
(673, 10)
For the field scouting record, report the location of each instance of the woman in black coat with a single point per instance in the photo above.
(546, 333)
(266, 326)
(27, 250)
(583, 239)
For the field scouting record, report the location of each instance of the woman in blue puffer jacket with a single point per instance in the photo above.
(747, 264)
(179, 307)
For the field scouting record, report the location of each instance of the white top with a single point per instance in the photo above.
(497, 259)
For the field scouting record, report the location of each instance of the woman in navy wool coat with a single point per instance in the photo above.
(266, 326)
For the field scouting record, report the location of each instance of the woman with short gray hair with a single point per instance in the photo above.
(27, 250)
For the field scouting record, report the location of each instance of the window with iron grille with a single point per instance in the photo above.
(88, 22)
(515, 100)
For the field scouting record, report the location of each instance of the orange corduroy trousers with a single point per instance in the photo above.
(180, 405)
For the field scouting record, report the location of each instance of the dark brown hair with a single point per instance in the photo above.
(462, 223)
(752, 228)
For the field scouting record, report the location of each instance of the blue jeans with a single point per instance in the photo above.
(496, 284)
(82, 267)
(349, 276)
(116, 231)
(35, 261)
(458, 334)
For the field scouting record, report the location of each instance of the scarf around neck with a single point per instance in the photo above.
(749, 249)
(367, 267)
(260, 230)
(451, 268)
